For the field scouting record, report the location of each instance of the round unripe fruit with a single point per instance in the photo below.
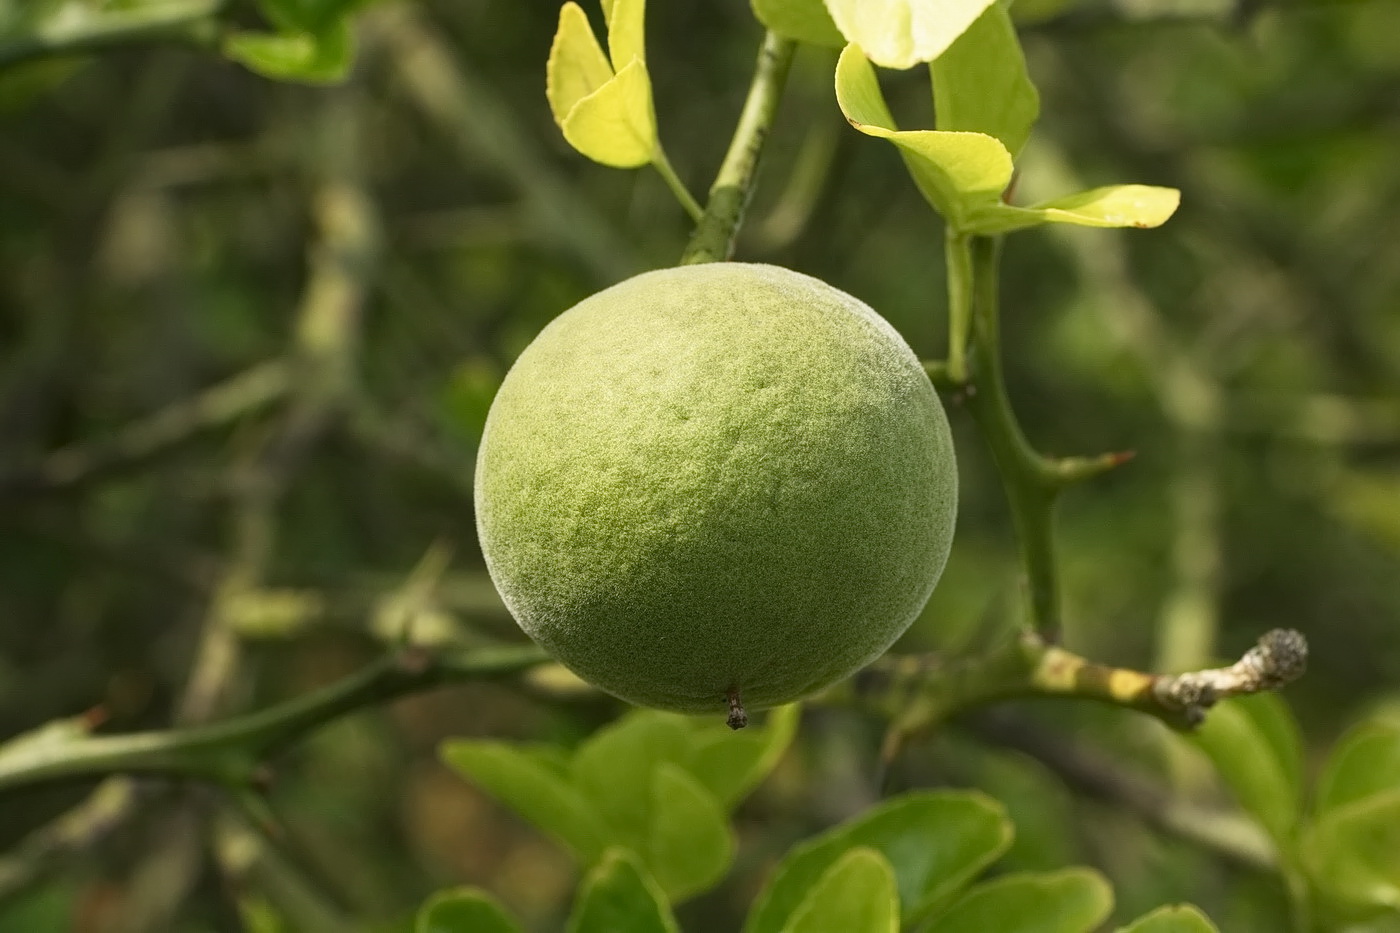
(716, 480)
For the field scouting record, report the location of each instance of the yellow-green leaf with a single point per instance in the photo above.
(577, 66)
(615, 125)
(856, 894)
(626, 31)
(1139, 206)
(800, 20)
(980, 83)
(902, 33)
(958, 173)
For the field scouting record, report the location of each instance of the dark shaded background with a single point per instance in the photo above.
(169, 222)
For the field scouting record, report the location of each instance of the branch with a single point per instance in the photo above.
(916, 692)
(234, 751)
(192, 23)
(1031, 480)
(713, 239)
(139, 442)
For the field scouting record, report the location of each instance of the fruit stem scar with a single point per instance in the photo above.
(738, 719)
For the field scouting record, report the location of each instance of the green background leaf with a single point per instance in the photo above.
(856, 894)
(936, 842)
(312, 58)
(464, 910)
(620, 897)
(689, 845)
(1253, 740)
(616, 767)
(533, 789)
(1075, 900)
(731, 764)
(1366, 761)
(1182, 918)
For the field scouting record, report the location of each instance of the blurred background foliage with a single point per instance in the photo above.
(249, 333)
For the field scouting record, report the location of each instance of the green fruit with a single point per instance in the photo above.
(716, 480)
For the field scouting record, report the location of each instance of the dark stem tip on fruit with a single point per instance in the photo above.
(738, 719)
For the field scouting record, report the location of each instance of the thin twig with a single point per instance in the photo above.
(244, 394)
(233, 751)
(916, 692)
(713, 240)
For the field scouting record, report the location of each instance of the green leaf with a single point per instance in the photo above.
(626, 21)
(1182, 918)
(980, 83)
(616, 125)
(313, 16)
(1074, 900)
(937, 843)
(464, 910)
(801, 20)
(620, 897)
(1253, 741)
(689, 846)
(577, 66)
(615, 768)
(1352, 854)
(902, 33)
(312, 58)
(534, 789)
(856, 894)
(957, 172)
(731, 764)
(1365, 762)
(1139, 206)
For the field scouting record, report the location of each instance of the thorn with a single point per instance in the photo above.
(94, 717)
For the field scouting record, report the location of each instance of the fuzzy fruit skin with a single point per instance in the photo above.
(714, 477)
